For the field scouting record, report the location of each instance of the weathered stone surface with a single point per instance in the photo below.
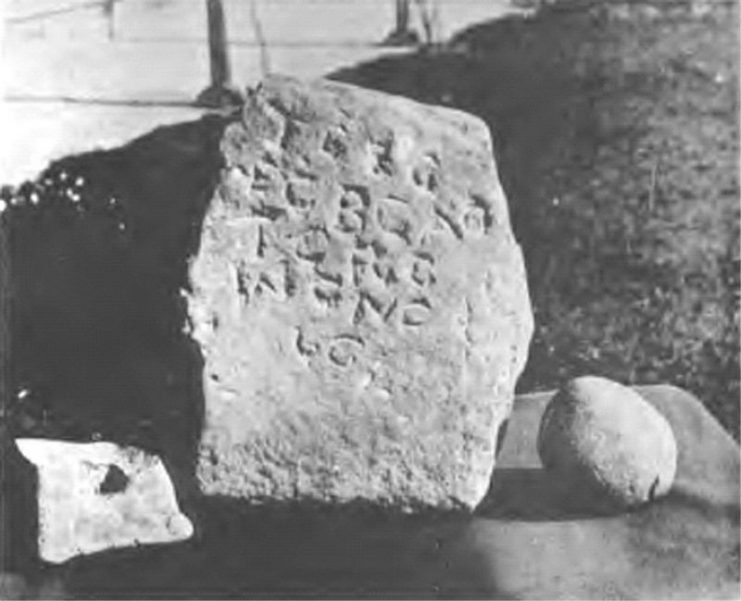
(601, 437)
(98, 496)
(359, 300)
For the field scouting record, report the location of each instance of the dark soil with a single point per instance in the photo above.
(615, 130)
(99, 247)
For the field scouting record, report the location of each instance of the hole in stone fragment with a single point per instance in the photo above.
(115, 481)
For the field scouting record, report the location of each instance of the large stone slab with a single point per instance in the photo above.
(359, 300)
(98, 496)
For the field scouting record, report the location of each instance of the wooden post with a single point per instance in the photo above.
(109, 11)
(217, 45)
(402, 15)
(403, 34)
(220, 94)
(429, 12)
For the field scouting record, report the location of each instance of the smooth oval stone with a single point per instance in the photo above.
(600, 437)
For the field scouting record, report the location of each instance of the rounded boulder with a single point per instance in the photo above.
(598, 437)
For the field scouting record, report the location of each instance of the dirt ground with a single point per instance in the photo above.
(616, 135)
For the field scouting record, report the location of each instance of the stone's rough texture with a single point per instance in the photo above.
(98, 496)
(359, 300)
(599, 436)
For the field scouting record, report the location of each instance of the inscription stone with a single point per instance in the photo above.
(359, 300)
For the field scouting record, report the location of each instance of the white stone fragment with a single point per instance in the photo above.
(98, 496)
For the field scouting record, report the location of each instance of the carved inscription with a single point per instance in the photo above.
(353, 214)
(477, 217)
(335, 144)
(387, 283)
(395, 217)
(416, 312)
(365, 265)
(423, 273)
(257, 280)
(344, 350)
(362, 250)
(368, 257)
(306, 345)
(330, 296)
(426, 175)
(301, 194)
(381, 158)
(291, 135)
(313, 245)
(474, 220)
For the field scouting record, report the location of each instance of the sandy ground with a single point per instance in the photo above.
(71, 84)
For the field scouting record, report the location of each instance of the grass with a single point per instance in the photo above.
(615, 130)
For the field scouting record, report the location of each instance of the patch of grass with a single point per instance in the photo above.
(615, 130)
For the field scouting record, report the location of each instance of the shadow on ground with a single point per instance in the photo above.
(243, 552)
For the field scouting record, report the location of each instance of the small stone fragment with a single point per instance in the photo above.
(598, 436)
(98, 496)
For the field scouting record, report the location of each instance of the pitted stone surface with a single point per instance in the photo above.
(99, 496)
(359, 300)
(598, 436)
